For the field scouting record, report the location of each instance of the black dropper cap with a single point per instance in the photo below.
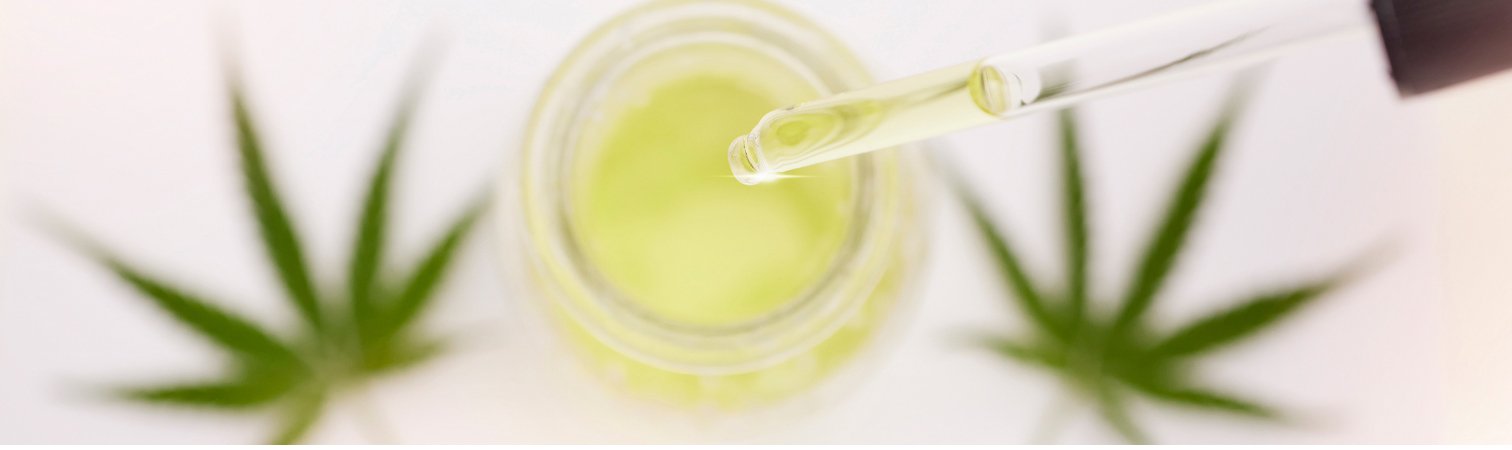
(1433, 44)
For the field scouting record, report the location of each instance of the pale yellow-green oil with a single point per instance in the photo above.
(871, 118)
(658, 216)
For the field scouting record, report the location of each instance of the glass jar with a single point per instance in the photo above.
(761, 360)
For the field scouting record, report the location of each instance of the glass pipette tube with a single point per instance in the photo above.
(1220, 36)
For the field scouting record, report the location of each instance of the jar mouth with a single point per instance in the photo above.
(597, 305)
(859, 201)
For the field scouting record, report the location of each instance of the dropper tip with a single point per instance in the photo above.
(745, 162)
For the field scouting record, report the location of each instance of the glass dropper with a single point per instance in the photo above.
(1220, 36)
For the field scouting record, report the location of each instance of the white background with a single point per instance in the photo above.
(113, 115)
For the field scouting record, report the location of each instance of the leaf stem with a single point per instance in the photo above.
(1054, 420)
(370, 420)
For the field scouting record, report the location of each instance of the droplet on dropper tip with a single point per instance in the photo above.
(745, 164)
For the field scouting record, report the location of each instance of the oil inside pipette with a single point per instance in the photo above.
(1216, 38)
(904, 110)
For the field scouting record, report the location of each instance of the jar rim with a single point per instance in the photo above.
(596, 305)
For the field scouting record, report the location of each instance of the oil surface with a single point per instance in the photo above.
(657, 214)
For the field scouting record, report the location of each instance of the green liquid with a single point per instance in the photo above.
(657, 214)
(875, 117)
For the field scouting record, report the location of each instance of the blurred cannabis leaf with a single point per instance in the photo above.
(338, 347)
(1107, 358)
